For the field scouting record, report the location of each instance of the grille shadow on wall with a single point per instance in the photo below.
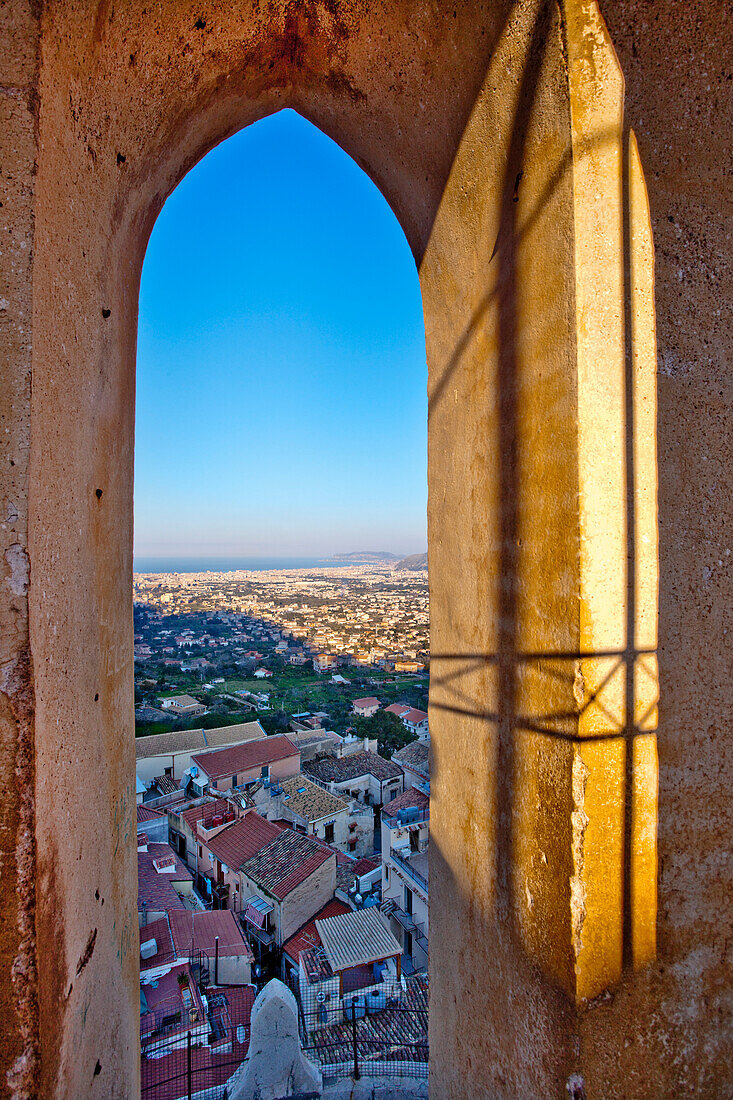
(570, 732)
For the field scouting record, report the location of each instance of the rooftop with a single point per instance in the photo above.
(252, 754)
(356, 939)
(416, 755)
(203, 811)
(191, 740)
(412, 798)
(370, 701)
(339, 770)
(241, 840)
(145, 813)
(158, 930)
(285, 862)
(198, 931)
(306, 799)
(165, 784)
(307, 936)
(414, 715)
(155, 890)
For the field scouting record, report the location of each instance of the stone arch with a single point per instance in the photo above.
(497, 134)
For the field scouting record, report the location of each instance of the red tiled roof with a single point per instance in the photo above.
(370, 701)
(416, 716)
(240, 841)
(364, 866)
(155, 890)
(251, 754)
(199, 930)
(397, 708)
(161, 1077)
(285, 862)
(144, 813)
(307, 936)
(159, 931)
(412, 797)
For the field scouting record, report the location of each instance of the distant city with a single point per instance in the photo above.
(282, 776)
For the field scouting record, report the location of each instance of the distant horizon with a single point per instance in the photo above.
(281, 371)
(229, 563)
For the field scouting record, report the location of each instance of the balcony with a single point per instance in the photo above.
(407, 865)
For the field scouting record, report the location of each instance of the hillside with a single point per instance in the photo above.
(366, 555)
(413, 561)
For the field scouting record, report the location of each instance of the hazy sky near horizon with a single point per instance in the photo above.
(281, 377)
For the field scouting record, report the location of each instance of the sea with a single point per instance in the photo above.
(228, 565)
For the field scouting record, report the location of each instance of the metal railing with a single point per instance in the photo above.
(391, 1042)
(409, 869)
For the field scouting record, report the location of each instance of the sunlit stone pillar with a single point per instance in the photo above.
(537, 284)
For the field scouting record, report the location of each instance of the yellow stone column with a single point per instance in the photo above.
(538, 293)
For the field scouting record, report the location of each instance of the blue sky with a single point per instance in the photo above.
(281, 378)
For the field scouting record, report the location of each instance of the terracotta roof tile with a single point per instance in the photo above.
(242, 840)
(286, 862)
(198, 931)
(341, 769)
(409, 799)
(252, 754)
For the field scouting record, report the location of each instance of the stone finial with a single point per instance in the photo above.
(276, 1065)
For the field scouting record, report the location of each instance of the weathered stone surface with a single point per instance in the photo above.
(276, 1066)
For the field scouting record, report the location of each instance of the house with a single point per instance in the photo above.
(288, 880)
(324, 662)
(365, 776)
(414, 759)
(183, 819)
(183, 706)
(270, 758)
(263, 674)
(414, 720)
(154, 823)
(357, 965)
(195, 664)
(365, 708)
(318, 813)
(170, 753)
(215, 940)
(163, 881)
(405, 857)
(222, 848)
(406, 665)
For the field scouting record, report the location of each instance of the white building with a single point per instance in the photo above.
(405, 856)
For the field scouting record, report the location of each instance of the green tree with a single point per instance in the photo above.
(391, 735)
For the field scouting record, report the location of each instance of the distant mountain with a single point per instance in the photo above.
(413, 561)
(366, 555)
